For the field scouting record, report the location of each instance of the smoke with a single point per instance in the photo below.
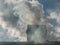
(30, 12)
(16, 14)
(54, 20)
(9, 23)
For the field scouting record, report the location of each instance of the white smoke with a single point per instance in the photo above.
(29, 12)
(6, 22)
(55, 30)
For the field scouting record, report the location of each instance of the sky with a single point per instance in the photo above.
(50, 4)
